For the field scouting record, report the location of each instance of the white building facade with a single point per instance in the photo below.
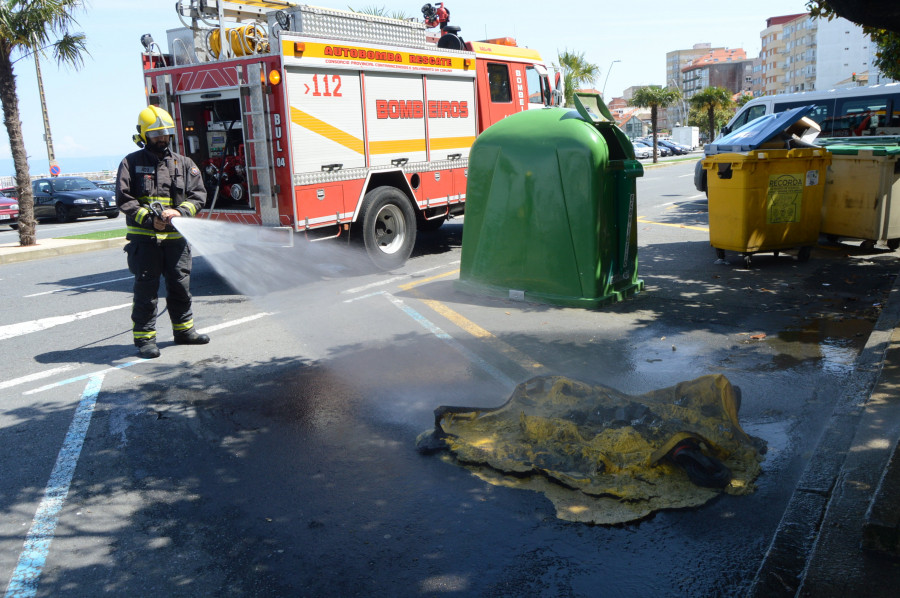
(844, 51)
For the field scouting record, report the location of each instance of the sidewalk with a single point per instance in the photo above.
(840, 534)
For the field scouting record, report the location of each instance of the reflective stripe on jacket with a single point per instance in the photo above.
(172, 180)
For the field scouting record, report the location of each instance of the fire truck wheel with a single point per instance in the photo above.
(388, 227)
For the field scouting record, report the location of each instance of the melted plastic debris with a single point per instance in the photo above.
(602, 456)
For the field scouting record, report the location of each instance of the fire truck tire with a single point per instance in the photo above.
(388, 227)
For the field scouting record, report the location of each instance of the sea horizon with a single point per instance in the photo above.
(87, 164)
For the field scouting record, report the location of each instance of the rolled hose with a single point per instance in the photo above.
(244, 41)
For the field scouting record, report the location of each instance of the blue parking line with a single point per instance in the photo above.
(435, 330)
(25, 578)
(100, 373)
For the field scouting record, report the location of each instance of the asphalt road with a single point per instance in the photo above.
(279, 460)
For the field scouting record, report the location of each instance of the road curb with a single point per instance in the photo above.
(787, 558)
(12, 254)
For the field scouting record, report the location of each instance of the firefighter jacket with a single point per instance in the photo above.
(172, 180)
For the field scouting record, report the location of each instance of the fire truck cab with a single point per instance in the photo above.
(334, 123)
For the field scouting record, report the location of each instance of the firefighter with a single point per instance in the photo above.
(155, 185)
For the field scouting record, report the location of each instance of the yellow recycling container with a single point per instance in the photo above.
(860, 185)
(766, 200)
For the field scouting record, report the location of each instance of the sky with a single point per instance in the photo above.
(93, 111)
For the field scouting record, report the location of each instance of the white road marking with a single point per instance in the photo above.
(81, 286)
(237, 322)
(37, 376)
(135, 361)
(14, 330)
(366, 296)
(388, 281)
(374, 284)
(103, 372)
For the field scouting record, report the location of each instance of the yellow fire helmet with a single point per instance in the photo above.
(153, 119)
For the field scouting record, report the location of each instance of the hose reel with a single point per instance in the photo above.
(244, 41)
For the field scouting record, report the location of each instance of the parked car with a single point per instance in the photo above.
(675, 149)
(642, 151)
(9, 207)
(109, 185)
(663, 151)
(69, 197)
(687, 149)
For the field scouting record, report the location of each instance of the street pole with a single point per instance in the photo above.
(50, 156)
(682, 109)
(603, 91)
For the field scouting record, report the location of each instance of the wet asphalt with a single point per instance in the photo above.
(281, 461)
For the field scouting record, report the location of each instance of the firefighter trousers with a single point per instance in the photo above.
(147, 260)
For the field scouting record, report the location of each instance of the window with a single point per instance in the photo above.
(535, 90)
(855, 117)
(821, 113)
(894, 120)
(749, 115)
(498, 80)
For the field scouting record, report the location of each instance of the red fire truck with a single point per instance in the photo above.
(335, 123)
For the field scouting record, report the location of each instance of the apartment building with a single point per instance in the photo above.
(728, 68)
(676, 60)
(773, 53)
(801, 40)
(845, 56)
(800, 53)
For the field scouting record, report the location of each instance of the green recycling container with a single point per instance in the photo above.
(551, 209)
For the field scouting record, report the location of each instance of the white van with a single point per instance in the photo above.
(851, 112)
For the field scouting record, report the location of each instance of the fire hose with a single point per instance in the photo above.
(244, 41)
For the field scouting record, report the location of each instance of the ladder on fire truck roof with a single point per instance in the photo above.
(259, 171)
(238, 11)
(305, 19)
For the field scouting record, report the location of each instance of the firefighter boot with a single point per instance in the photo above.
(147, 349)
(191, 337)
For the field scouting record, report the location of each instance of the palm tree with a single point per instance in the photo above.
(381, 11)
(655, 97)
(576, 72)
(26, 27)
(712, 99)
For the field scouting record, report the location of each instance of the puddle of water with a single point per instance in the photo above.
(777, 435)
(835, 343)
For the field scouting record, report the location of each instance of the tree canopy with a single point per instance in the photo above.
(381, 11)
(576, 72)
(26, 27)
(876, 14)
(711, 99)
(655, 97)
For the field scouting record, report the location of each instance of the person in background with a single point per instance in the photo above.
(155, 185)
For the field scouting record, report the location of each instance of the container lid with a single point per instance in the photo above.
(853, 150)
(765, 129)
(867, 140)
(590, 107)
